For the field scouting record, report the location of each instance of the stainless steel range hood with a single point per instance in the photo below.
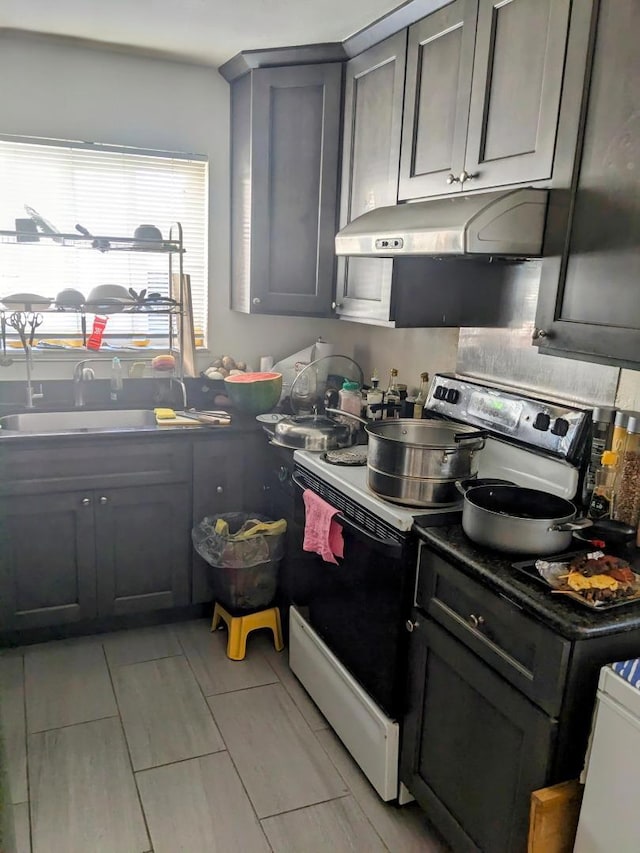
(495, 223)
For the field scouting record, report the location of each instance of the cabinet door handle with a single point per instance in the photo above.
(537, 334)
(85, 501)
(410, 626)
(452, 179)
(336, 306)
(468, 176)
(476, 622)
(219, 490)
(104, 500)
(256, 300)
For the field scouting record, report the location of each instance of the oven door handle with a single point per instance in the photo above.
(390, 546)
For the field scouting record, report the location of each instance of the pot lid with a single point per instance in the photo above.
(309, 425)
(324, 375)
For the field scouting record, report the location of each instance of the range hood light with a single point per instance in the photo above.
(503, 224)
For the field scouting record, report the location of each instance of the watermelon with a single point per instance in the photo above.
(254, 393)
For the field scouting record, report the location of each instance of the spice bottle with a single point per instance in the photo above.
(602, 500)
(601, 434)
(627, 503)
(350, 399)
(374, 399)
(421, 399)
(392, 397)
(619, 438)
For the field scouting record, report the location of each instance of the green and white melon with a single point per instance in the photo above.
(254, 393)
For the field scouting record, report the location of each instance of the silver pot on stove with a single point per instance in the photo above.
(316, 433)
(417, 462)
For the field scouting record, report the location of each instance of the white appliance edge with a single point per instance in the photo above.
(372, 738)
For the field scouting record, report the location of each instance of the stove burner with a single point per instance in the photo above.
(347, 456)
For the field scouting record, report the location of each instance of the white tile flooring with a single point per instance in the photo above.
(152, 740)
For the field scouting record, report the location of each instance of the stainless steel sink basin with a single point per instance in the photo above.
(78, 419)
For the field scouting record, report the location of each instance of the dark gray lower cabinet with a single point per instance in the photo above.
(227, 477)
(72, 556)
(474, 747)
(143, 548)
(47, 560)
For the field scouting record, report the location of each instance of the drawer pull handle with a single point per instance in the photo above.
(219, 490)
(410, 626)
(104, 500)
(85, 501)
(476, 622)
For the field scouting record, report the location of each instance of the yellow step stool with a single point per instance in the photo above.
(239, 627)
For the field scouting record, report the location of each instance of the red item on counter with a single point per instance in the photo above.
(95, 340)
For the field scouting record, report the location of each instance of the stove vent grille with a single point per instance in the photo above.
(348, 507)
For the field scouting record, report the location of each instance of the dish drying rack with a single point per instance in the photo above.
(179, 311)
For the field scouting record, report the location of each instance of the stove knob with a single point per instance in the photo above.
(440, 392)
(560, 427)
(453, 395)
(410, 626)
(542, 422)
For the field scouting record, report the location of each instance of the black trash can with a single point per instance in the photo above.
(244, 551)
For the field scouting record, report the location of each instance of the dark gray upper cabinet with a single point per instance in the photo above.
(439, 69)
(515, 97)
(588, 304)
(285, 136)
(484, 80)
(401, 292)
(370, 155)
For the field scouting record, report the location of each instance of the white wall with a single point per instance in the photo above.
(53, 88)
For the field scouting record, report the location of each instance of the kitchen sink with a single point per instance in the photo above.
(78, 419)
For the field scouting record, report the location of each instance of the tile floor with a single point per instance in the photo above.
(152, 740)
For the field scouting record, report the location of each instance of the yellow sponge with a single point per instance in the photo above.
(164, 414)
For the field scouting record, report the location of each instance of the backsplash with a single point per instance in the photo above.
(507, 355)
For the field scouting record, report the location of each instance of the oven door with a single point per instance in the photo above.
(358, 607)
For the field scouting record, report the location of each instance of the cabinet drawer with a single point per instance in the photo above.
(94, 464)
(525, 653)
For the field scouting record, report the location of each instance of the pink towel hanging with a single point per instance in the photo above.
(322, 533)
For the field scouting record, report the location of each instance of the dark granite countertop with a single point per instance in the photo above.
(495, 570)
(239, 424)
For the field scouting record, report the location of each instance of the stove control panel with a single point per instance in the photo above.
(549, 426)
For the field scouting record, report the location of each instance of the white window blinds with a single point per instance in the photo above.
(109, 191)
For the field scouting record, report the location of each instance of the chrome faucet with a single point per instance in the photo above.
(183, 390)
(81, 374)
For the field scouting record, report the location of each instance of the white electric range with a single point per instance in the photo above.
(348, 644)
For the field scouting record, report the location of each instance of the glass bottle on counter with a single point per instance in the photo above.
(601, 435)
(392, 397)
(602, 500)
(627, 502)
(421, 399)
(374, 399)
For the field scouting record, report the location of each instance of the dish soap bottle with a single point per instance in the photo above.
(116, 378)
(421, 399)
(392, 397)
(374, 399)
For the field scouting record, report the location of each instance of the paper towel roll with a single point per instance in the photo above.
(321, 349)
(266, 363)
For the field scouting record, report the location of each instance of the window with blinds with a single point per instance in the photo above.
(109, 191)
